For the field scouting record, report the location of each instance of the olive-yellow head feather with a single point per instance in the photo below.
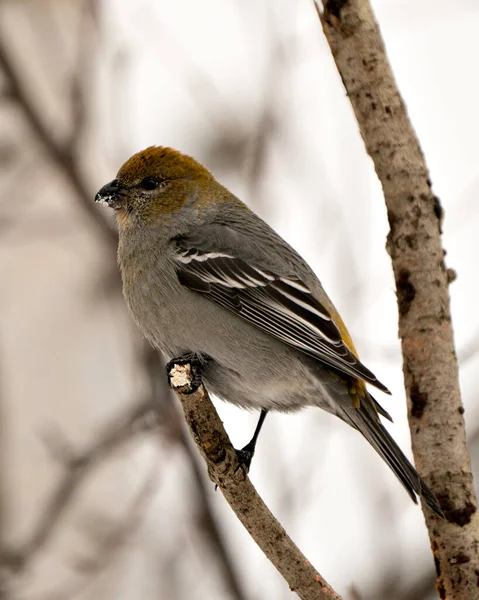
(153, 184)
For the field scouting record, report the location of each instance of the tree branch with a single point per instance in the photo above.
(209, 435)
(208, 524)
(414, 244)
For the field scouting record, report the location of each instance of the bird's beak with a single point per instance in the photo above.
(112, 194)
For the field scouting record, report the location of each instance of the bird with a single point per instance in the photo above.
(207, 280)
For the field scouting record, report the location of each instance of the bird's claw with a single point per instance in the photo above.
(245, 456)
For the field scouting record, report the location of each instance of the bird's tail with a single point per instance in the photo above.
(366, 421)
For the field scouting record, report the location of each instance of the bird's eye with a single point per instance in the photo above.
(149, 183)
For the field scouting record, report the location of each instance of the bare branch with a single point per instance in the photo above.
(209, 435)
(414, 243)
(209, 526)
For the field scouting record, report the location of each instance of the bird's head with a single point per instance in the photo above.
(155, 184)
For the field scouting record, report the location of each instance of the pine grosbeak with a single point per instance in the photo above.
(205, 277)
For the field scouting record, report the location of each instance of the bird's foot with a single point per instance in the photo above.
(245, 456)
(184, 373)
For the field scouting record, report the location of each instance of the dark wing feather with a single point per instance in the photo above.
(283, 307)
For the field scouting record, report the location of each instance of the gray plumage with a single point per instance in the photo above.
(215, 280)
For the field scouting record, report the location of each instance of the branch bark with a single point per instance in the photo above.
(414, 243)
(214, 445)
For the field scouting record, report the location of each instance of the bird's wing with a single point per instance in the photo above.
(282, 306)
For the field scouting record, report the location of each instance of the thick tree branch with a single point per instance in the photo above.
(414, 243)
(208, 432)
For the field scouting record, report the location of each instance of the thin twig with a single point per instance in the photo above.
(209, 435)
(209, 525)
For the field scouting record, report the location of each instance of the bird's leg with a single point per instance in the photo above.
(245, 455)
(194, 362)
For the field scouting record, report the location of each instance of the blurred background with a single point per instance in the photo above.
(101, 493)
